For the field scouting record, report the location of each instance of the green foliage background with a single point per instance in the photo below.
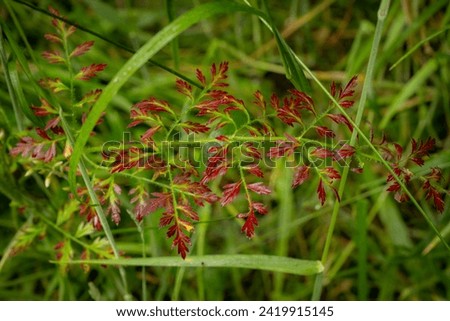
(380, 249)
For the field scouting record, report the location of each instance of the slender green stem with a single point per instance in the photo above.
(175, 45)
(201, 241)
(178, 282)
(417, 46)
(362, 208)
(362, 103)
(286, 209)
(69, 236)
(143, 253)
(382, 13)
(244, 183)
(181, 270)
(96, 203)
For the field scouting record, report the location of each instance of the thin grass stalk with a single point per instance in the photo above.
(285, 213)
(144, 272)
(178, 282)
(175, 44)
(96, 204)
(382, 13)
(362, 207)
(205, 214)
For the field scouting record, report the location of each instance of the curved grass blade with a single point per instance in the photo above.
(148, 50)
(256, 262)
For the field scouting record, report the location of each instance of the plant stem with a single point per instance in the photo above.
(175, 44)
(96, 203)
(382, 13)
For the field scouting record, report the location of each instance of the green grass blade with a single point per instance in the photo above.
(175, 44)
(19, 30)
(417, 46)
(21, 99)
(294, 71)
(445, 232)
(429, 12)
(285, 216)
(408, 90)
(256, 262)
(148, 50)
(377, 154)
(17, 52)
(14, 102)
(363, 136)
(396, 228)
(362, 208)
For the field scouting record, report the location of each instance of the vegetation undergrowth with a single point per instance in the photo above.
(327, 188)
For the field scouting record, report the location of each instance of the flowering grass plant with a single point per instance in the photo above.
(199, 147)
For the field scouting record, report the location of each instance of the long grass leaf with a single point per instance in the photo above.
(417, 46)
(256, 262)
